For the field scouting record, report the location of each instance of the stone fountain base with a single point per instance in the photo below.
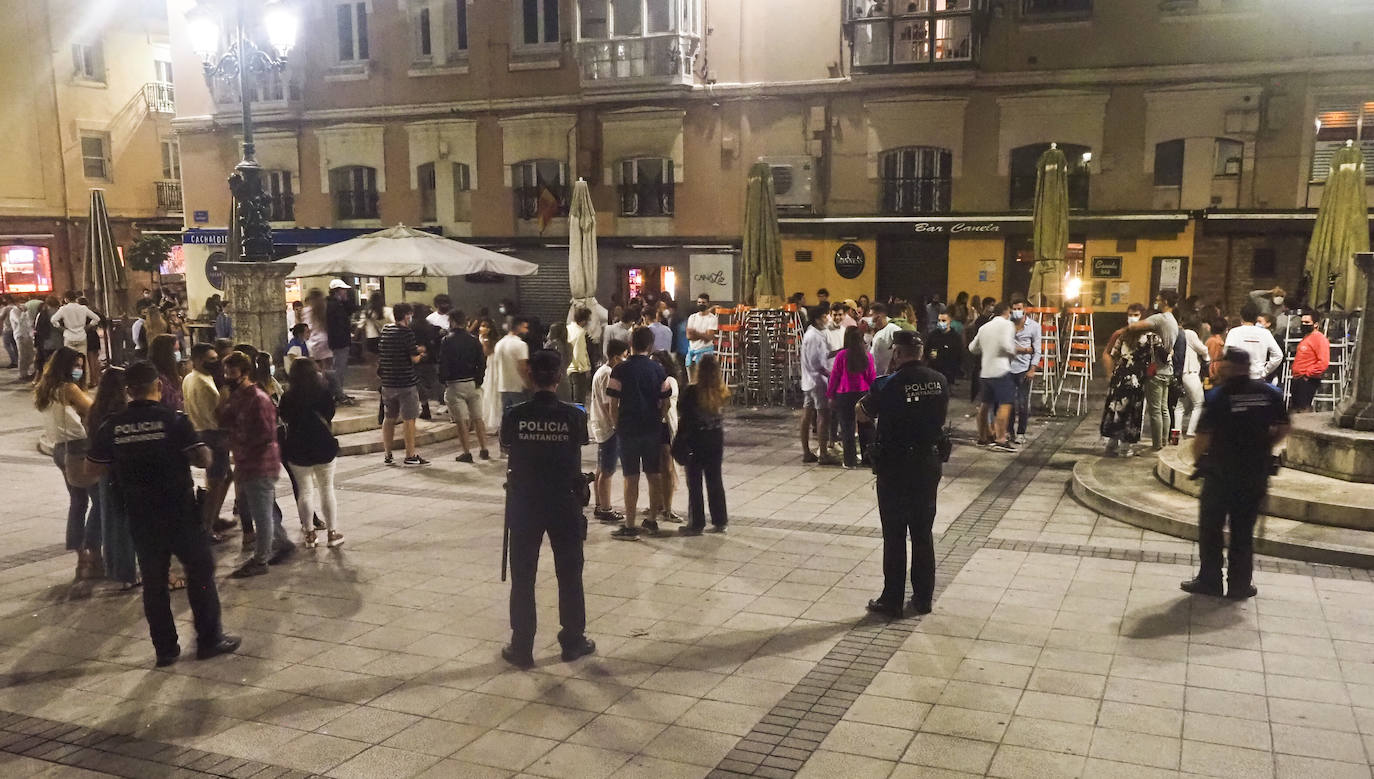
(1318, 446)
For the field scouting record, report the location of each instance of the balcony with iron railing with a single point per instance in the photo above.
(886, 37)
(268, 90)
(666, 58)
(168, 196)
(160, 97)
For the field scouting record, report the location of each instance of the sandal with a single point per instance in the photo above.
(176, 583)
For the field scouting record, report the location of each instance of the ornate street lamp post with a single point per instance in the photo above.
(254, 285)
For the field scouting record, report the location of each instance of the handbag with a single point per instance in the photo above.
(682, 446)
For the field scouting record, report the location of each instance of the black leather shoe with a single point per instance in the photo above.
(920, 606)
(1241, 592)
(517, 658)
(226, 644)
(171, 657)
(1201, 587)
(889, 610)
(577, 649)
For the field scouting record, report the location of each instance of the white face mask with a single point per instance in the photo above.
(1130, 320)
(1278, 300)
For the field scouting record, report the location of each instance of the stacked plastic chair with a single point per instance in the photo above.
(769, 352)
(728, 347)
(1078, 362)
(1046, 381)
(1289, 344)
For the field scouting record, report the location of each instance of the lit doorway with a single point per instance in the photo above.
(647, 281)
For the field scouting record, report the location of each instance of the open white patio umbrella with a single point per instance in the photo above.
(401, 251)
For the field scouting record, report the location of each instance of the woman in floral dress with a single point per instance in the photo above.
(1127, 359)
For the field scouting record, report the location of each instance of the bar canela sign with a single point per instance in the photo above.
(956, 228)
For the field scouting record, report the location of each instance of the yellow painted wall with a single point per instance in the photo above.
(965, 260)
(808, 277)
(1136, 265)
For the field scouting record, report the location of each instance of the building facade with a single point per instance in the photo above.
(89, 105)
(903, 135)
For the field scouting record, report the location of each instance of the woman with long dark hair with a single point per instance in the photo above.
(65, 405)
(850, 377)
(164, 354)
(309, 449)
(702, 423)
(557, 341)
(667, 473)
(121, 561)
(376, 316)
(488, 335)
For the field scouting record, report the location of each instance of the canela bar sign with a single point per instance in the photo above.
(956, 228)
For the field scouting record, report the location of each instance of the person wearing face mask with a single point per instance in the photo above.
(59, 397)
(945, 349)
(1268, 301)
(701, 332)
(1024, 363)
(1127, 361)
(1309, 364)
(1165, 326)
(248, 415)
(200, 398)
(815, 370)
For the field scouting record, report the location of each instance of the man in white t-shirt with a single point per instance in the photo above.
(995, 344)
(601, 426)
(511, 360)
(701, 331)
(815, 377)
(74, 318)
(439, 317)
(883, 329)
(1258, 342)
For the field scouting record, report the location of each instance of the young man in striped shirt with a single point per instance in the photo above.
(397, 355)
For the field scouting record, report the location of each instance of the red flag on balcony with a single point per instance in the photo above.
(548, 208)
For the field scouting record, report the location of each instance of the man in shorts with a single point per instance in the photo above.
(400, 395)
(995, 345)
(462, 368)
(639, 393)
(601, 421)
(200, 397)
(815, 359)
(701, 332)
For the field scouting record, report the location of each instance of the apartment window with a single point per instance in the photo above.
(916, 180)
(1169, 163)
(351, 21)
(281, 203)
(162, 71)
(171, 160)
(95, 156)
(355, 192)
(462, 192)
(1033, 8)
(1023, 169)
(440, 27)
(1340, 120)
(88, 61)
(1230, 157)
(540, 181)
(910, 32)
(646, 187)
(538, 21)
(429, 205)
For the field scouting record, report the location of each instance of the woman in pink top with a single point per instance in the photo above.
(850, 378)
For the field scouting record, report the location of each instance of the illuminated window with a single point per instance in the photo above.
(910, 32)
(25, 269)
(1023, 169)
(1340, 120)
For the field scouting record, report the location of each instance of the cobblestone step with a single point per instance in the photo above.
(1127, 490)
(1293, 494)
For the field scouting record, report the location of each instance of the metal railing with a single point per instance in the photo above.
(1056, 7)
(667, 57)
(168, 196)
(160, 97)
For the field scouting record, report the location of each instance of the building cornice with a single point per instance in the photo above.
(862, 84)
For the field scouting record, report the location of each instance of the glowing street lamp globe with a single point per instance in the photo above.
(203, 31)
(282, 24)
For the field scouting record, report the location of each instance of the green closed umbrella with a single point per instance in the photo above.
(1342, 229)
(761, 263)
(1050, 225)
(104, 277)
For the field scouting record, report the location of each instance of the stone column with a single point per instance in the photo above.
(1356, 411)
(256, 293)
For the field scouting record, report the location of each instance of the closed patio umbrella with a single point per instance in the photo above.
(582, 259)
(761, 263)
(1341, 230)
(1050, 225)
(104, 275)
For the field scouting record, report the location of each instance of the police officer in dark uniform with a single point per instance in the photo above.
(545, 493)
(1242, 420)
(151, 448)
(909, 405)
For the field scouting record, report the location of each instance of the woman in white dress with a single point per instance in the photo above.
(491, 397)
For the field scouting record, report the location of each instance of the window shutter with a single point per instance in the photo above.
(97, 61)
(362, 31)
(420, 34)
(343, 15)
(78, 61)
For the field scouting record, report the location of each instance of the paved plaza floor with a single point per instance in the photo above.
(1060, 644)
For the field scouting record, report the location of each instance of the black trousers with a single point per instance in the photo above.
(1303, 389)
(907, 488)
(565, 531)
(1237, 502)
(189, 542)
(843, 416)
(1020, 410)
(704, 466)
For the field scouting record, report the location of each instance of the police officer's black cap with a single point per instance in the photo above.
(909, 339)
(1237, 357)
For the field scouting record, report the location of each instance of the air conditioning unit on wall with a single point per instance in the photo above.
(793, 183)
